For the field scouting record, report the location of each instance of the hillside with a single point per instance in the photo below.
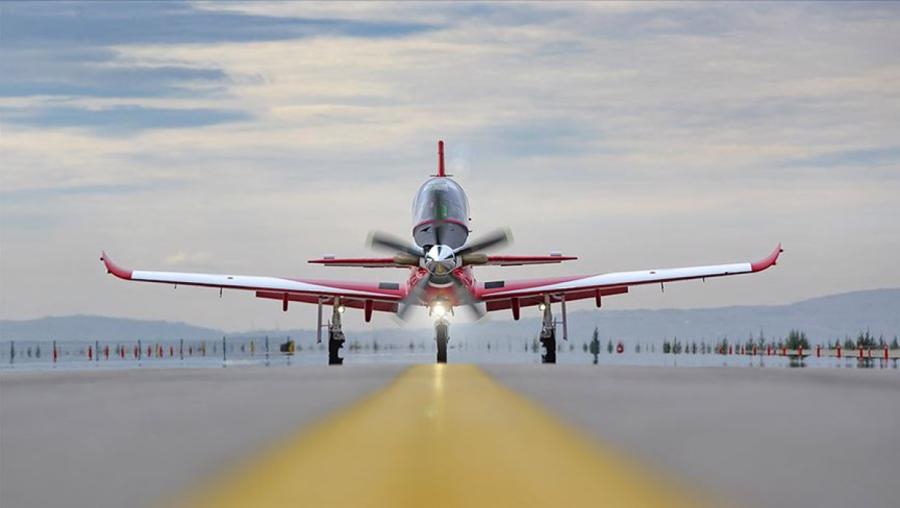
(823, 318)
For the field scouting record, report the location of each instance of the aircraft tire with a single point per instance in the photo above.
(549, 344)
(442, 337)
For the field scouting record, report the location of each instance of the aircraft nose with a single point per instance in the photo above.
(441, 260)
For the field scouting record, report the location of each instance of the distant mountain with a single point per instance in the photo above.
(100, 327)
(824, 318)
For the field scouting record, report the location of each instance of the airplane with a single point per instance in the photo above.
(440, 262)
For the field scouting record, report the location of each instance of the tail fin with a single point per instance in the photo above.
(441, 158)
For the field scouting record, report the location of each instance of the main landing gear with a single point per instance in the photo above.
(548, 336)
(548, 329)
(441, 338)
(335, 334)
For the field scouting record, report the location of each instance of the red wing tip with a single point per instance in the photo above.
(113, 268)
(771, 260)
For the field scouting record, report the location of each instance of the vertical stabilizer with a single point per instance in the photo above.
(441, 158)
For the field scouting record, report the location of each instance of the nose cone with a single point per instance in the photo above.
(440, 253)
(440, 260)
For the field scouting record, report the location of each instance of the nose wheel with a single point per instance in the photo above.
(441, 338)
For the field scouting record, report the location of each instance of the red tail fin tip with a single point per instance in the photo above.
(441, 158)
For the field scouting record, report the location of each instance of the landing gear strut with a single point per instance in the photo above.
(548, 334)
(335, 334)
(441, 338)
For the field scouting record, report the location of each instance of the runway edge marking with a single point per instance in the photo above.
(439, 435)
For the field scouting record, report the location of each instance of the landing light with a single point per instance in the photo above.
(341, 309)
(541, 307)
(438, 310)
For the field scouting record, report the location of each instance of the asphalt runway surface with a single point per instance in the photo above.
(744, 436)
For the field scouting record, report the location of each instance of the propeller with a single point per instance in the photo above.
(440, 260)
(413, 297)
(385, 241)
(488, 241)
(465, 296)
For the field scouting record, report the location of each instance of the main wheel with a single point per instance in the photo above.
(334, 349)
(441, 337)
(549, 343)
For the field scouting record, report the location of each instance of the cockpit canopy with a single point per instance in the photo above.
(441, 199)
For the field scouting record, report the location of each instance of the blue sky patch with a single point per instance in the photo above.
(122, 120)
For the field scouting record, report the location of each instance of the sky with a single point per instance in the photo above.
(249, 138)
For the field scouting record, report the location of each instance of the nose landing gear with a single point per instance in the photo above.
(441, 338)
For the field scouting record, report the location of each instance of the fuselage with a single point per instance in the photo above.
(440, 224)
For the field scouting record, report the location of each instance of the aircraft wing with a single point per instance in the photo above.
(499, 295)
(376, 296)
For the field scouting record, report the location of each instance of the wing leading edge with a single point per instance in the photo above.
(383, 295)
(499, 294)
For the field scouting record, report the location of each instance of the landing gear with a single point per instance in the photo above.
(335, 335)
(441, 338)
(548, 334)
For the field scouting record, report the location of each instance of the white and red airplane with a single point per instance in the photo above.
(440, 278)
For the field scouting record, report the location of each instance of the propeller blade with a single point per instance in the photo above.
(413, 297)
(465, 296)
(493, 239)
(384, 241)
(406, 259)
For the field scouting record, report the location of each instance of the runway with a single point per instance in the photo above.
(457, 435)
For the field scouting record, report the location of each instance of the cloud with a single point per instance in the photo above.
(877, 157)
(187, 259)
(633, 135)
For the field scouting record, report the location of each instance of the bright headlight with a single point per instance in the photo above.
(438, 310)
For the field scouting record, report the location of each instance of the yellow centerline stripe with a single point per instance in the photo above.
(439, 435)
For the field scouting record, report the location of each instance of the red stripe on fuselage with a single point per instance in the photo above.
(451, 221)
